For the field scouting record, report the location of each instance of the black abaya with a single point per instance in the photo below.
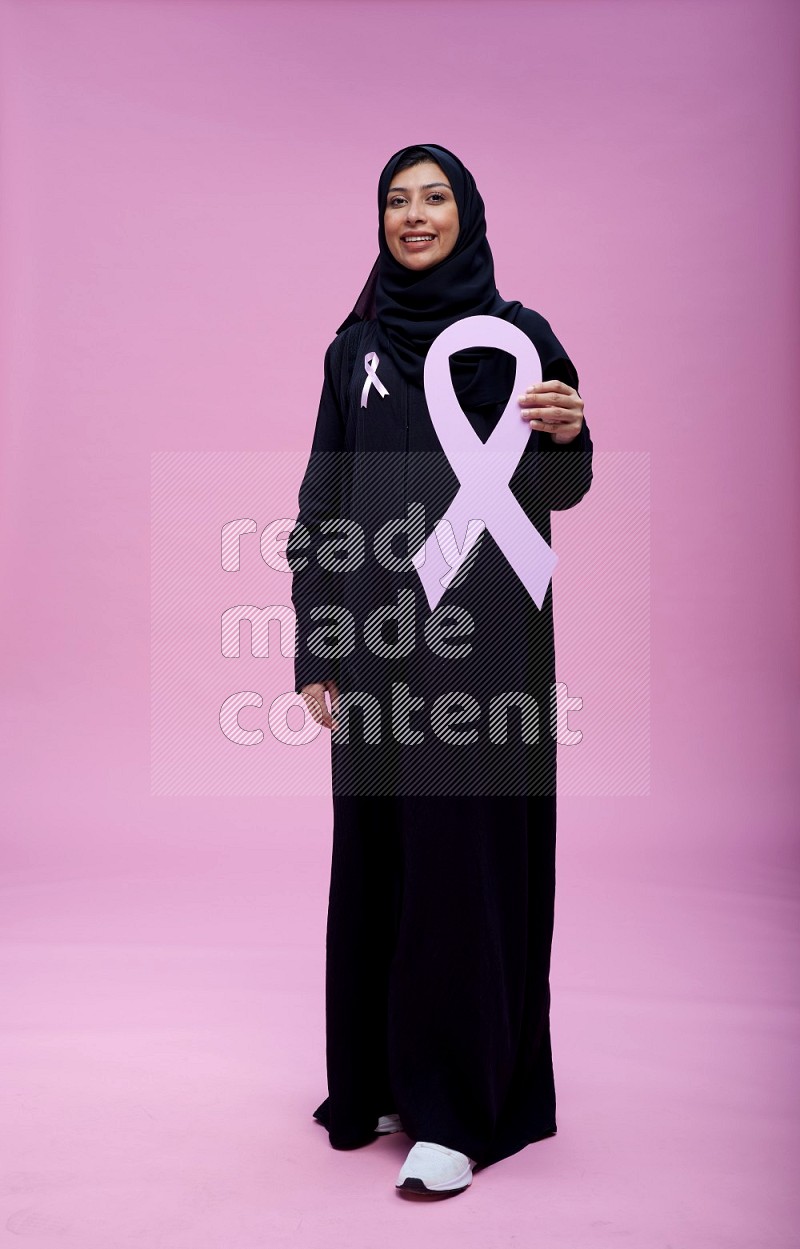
(440, 914)
(440, 924)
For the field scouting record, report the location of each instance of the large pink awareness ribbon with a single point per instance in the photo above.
(483, 499)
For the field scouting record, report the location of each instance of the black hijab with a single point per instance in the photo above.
(412, 307)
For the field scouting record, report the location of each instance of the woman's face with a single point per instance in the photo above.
(420, 219)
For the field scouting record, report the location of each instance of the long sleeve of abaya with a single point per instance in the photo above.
(310, 549)
(553, 476)
(565, 468)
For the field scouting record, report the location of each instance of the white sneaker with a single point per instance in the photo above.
(389, 1123)
(432, 1168)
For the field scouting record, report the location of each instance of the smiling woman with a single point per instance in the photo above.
(421, 217)
(441, 898)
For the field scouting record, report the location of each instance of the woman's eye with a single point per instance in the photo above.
(437, 195)
(396, 201)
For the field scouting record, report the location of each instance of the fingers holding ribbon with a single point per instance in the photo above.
(553, 408)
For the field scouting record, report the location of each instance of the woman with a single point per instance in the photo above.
(440, 912)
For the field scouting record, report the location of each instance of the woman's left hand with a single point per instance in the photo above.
(553, 408)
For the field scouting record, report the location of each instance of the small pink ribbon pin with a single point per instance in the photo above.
(371, 363)
(483, 499)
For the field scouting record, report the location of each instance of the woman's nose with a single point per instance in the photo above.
(416, 212)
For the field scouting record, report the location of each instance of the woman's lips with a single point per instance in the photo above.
(416, 242)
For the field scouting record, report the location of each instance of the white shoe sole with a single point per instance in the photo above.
(414, 1184)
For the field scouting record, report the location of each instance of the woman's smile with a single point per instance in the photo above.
(417, 241)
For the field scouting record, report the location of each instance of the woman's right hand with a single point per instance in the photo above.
(314, 696)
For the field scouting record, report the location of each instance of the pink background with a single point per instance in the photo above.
(188, 213)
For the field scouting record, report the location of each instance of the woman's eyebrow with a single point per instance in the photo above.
(425, 187)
